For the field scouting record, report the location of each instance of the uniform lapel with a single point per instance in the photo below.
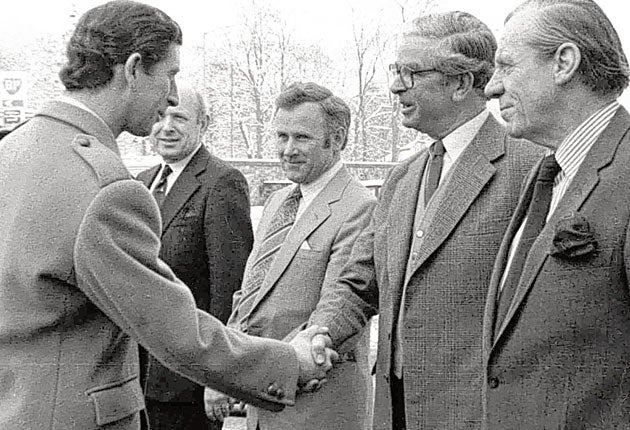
(587, 177)
(316, 213)
(468, 177)
(187, 183)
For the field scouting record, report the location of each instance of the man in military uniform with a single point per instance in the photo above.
(80, 278)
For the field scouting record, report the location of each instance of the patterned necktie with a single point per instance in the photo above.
(536, 219)
(435, 170)
(273, 240)
(160, 189)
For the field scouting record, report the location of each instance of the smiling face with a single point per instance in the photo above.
(427, 106)
(155, 90)
(523, 83)
(301, 141)
(180, 129)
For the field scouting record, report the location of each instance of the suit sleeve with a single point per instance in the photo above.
(349, 299)
(229, 239)
(117, 267)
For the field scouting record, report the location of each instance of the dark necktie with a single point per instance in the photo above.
(435, 170)
(273, 240)
(159, 192)
(536, 219)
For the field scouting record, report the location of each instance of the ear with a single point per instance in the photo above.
(566, 62)
(336, 138)
(463, 86)
(205, 122)
(132, 68)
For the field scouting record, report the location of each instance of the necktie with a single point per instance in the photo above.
(160, 189)
(275, 235)
(435, 170)
(536, 218)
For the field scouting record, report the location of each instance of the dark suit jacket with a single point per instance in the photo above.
(81, 285)
(446, 293)
(206, 239)
(291, 291)
(561, 358)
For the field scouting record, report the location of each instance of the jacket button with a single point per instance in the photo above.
(243, 327)
(83, 141)
(272, 390)
(493, 382)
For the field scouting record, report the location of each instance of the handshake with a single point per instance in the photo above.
(315, 357)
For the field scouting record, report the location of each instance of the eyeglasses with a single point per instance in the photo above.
(406, 74)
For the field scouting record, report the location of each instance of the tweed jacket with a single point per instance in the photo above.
(447, 282)
(291, 290)
(206, 239)
(560, 359)
(81, 283)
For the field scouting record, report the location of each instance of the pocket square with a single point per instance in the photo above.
(573, 237)
(305, 246)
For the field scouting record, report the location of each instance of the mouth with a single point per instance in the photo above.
(406, 108)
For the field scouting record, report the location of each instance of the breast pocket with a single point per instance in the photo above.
(113, 402)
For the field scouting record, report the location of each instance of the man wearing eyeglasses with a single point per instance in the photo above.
(425, 259)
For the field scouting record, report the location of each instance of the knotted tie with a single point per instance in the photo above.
(160, 189)
(536, 219)
(273, 240)
(435, 170)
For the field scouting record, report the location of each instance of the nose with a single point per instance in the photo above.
(173, 94)
(287, 147)
(494, 87)
(397, 86)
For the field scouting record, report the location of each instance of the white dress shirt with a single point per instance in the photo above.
(312, 189)
(177, 167)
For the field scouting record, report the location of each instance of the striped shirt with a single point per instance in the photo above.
(569, 155)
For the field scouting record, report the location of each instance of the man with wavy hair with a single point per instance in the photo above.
(81, 283)
(557, 322)
(426, 257)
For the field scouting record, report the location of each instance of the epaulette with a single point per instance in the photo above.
(104, 162)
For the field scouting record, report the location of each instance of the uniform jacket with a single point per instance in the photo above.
(206, 239)
(291, 291)
(81, 283)
(560, 360)
(447, 287)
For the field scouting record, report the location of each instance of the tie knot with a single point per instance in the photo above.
(548, 169)
(167, 171)
(437, 149)
(296, 193)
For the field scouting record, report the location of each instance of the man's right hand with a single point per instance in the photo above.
(313, 366)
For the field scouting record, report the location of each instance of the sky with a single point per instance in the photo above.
(325, 22)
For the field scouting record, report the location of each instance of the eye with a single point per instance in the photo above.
(302, 138)
(282, 137)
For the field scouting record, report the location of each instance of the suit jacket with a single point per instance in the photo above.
(560, 358)
(447, 284)
(206, 239)
(291, 291)
(81, 283)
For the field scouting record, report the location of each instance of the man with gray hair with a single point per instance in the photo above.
(206, 239)
(425, 259)
(557, 322)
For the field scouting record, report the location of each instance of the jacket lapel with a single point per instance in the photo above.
(316, 213)
(400, 223)
(587, 177)
(468, 177)
(148, 176)
(187, 183)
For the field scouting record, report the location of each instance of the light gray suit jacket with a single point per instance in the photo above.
(446, 292)
(81, 283)
(291, 291)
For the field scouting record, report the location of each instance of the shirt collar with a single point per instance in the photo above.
(458, 139)
(310, 190)
(576, 145)
(179, 166)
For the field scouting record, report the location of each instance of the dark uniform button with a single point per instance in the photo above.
(83, 141)
(493, 382)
